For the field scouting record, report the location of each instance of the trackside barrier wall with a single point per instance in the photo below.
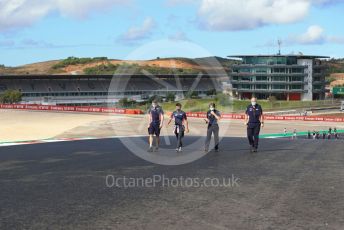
(69, 108)
(278, 118)
(137, 111)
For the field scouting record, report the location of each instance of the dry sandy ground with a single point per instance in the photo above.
(339, 79)
(32, 125)
(46, 67)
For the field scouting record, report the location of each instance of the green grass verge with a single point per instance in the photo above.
(277, 135)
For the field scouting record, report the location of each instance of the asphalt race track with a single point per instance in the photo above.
(286, 185)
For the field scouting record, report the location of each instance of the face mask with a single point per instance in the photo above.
(253, 103)
(211, 109)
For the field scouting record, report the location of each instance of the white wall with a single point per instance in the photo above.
(308, 95)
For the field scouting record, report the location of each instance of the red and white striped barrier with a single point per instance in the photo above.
(90, 109)
(271, 117)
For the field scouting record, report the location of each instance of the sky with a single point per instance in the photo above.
(40, 30)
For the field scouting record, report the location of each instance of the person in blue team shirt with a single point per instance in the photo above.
(155, 122)
(254, 121)
(213, 116)
(180, 125)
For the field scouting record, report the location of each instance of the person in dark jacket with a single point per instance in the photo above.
(181, 125)
(213, 117)
(155, 123)
(254, 121)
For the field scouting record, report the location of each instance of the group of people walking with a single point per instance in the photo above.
(323, 135)
(253, 121)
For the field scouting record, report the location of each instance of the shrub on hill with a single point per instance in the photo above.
(77, 61)
(127, 68)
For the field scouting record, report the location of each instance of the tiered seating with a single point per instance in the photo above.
(99, 86)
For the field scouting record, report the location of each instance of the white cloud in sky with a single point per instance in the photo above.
(7, 43)
(137, 33)
(325, 2)
(227, 15)
(178, 36)
(180, 2)
(314, 35)
(21, 13)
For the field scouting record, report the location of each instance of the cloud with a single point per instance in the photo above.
(228, 15)
(30, 43)
(137, 33)
(314, 35)
(180, 2)
(26, 43)
(22, 13)
(335, 39)
(178, 36)
(326, 2)
(7, 43)
(40, 44)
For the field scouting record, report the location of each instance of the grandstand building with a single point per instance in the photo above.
(106, 89)
(287, 77)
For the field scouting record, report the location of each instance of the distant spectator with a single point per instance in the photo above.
(309, 134)
(335, 133)
(294, 134)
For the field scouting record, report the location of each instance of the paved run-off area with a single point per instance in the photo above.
(286, 185)
(17, 125)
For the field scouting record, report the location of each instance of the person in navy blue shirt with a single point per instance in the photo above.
(213, 116)
(181, 125)
(254, 121)
(155, 122)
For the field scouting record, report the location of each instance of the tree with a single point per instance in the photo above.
(170, 97)
(123, 102)
(155, 97)
(223, 99)
(126, 103)
(211, 92)
(272, 100)
(11, 97)
(191, 94)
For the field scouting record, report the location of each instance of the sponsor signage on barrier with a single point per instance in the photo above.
(65, 108)
(271, 117)
(136, 111)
